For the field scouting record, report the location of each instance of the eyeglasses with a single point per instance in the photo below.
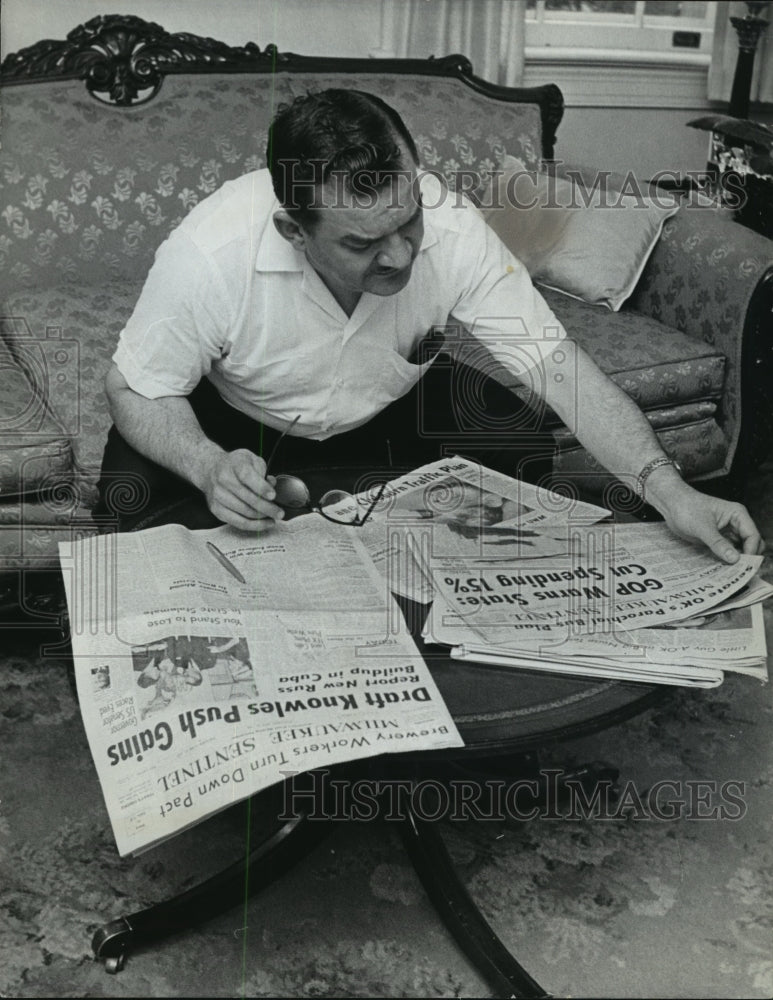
(293, 494)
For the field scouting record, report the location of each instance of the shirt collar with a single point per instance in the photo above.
(275, 253)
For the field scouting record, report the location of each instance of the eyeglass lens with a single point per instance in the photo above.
(292, 492)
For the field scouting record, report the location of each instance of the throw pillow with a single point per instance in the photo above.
(589, 242)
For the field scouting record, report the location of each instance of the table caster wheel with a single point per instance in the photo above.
(111, 943)
(115, 964)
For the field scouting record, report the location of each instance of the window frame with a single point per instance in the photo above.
(636, 33)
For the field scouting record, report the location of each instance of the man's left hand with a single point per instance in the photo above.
(723, 526)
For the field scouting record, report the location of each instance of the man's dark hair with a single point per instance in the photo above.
(348, 133)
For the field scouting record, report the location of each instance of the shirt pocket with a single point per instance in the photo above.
(380, 377)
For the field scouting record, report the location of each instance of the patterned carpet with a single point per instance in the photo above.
(620, 907)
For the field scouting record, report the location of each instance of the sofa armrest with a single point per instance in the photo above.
(702, 274)
(712, 278)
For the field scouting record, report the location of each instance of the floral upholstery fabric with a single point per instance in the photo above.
(91, 191)
(88, 320)
(700, 280)
(677, 379)
(655, 364)
(35, 545)
(465, 145)
(57, 506)
(26, 468)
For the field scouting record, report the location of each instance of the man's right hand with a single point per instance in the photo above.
(167, 431)
(238, 491)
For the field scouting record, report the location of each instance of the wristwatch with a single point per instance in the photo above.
(649, 468)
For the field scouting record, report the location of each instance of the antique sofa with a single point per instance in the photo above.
(112, 135)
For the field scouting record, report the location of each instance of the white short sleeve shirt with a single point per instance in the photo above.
(229, 298)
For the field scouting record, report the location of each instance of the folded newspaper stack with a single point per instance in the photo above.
(523, 577)
(628, 602)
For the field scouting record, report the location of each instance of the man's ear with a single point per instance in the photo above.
(289, 229)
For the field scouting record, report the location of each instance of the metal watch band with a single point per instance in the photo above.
(649, 468)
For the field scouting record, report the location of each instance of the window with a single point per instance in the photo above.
(677, 30)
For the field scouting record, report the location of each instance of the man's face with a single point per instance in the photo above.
(366, 243)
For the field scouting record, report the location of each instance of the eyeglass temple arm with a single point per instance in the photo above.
(373, 503)
(279, 440)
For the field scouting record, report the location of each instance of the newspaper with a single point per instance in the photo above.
(517, 571)
(600, 668)
(457, 508)
(734, 639)
(626, 601)
(755, 591)
(610, 578)
(212, 664)
(696, 652)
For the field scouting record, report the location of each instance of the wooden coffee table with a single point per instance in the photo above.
(503, 714)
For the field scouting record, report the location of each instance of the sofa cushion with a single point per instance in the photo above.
(58, 505)
(74, 329)
(656, 365)
(28, 469)
(589, 243)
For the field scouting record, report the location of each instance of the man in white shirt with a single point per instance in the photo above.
(304, 292)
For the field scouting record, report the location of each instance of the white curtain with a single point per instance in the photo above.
(489, 32)
(725, 55)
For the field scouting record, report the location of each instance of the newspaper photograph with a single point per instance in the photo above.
(457, 508)
(212, 664)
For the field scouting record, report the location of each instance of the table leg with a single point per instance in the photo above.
(262, 864)
(458, 910)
